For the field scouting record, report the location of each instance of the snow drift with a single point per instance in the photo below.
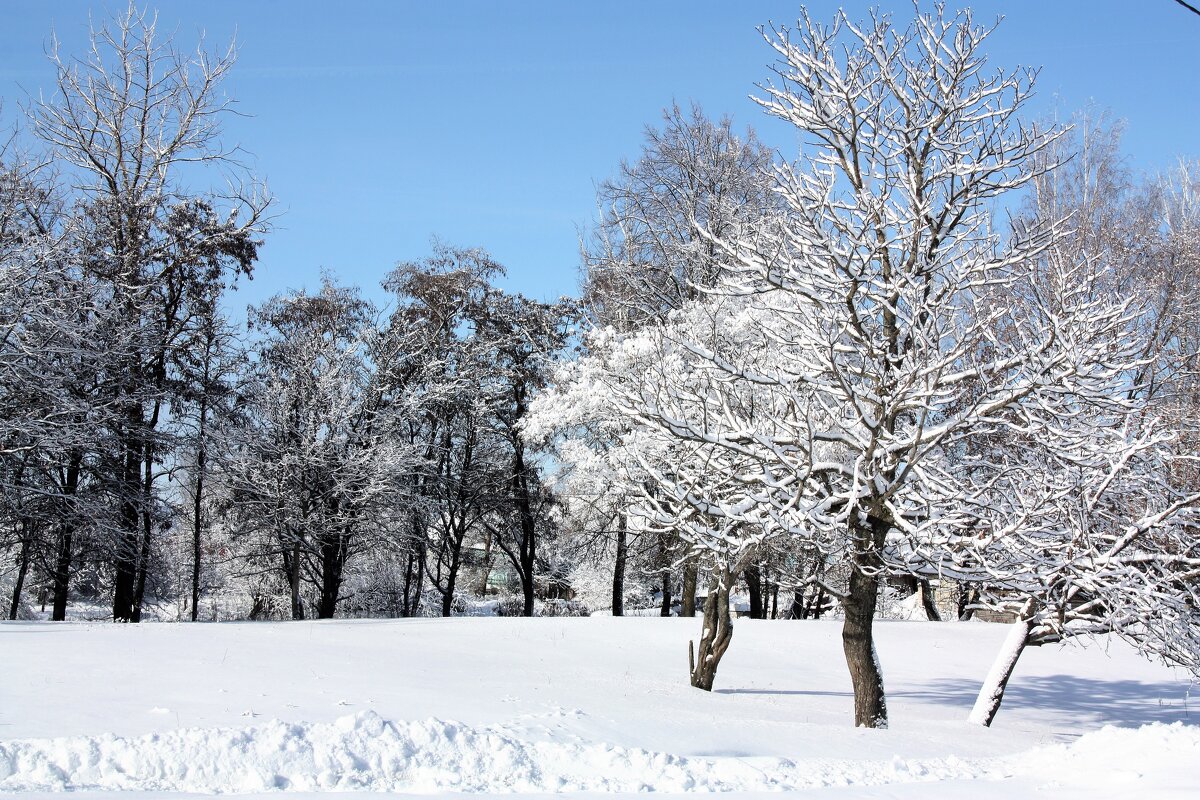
(366, 752)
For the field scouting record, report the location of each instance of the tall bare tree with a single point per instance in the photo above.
(129, 124)
(653, 252)
(859, 342)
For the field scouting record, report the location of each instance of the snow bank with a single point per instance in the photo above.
(1113, 757)
(366, 752)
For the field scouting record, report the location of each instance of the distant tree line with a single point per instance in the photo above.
(151, 451)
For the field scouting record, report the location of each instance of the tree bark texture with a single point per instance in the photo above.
(618, 582)
(22, 571)
(687, 603)
(858, 643)
(754, 587)
(715, 635)
(858, 635)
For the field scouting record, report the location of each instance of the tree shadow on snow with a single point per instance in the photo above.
(782, 692)
(1127, 703)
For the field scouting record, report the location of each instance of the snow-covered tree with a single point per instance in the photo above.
(612, 413)
(523, 338)
(647, 257)
(216, 363)
(439, 376)
(474, 356)
(1086, 530)
(861, 342)
(315, 468)
(1089, 526)
(123, 124)
(55, 351)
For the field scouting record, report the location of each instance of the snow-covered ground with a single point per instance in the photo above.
(595, 706)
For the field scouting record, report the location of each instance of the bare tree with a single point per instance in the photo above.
(124, 124)
(859, 341)
(317, 466)
(1102, 539)
(650, 253)
(1087, 531)
(647, 255)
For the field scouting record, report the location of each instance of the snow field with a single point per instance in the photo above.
(575, 705)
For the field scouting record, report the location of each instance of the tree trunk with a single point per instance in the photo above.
(139, 592)
(129, 525)
(139, 586)
(618, 583)
(414, 572)
(931, 612)
(527, 559)
(715, 636)
(665, 609)
(22, 571)
(198, 503)
(333, 561)
(452, 544)
(125, 581)
(62, 559)
(62, 574)
(798, 610)
(858, 641)
(523, 495)
(687, 603)
(991, 693)
(294, 581)
(754, 587)
(817, 606)
(967, 596)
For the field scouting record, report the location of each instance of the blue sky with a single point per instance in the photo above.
(379, 125)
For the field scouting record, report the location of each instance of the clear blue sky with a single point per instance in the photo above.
(379, 125)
